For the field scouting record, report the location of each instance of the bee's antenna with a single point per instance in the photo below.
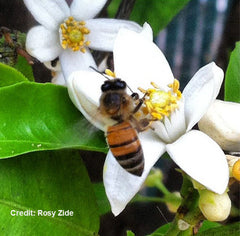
(99, 72)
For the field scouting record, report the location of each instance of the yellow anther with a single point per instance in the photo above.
(154, 85)
(160, 103)
(83, 50)
(110, 73)
(73, 35)
(87, 43)
(236, 170)
(142, 90)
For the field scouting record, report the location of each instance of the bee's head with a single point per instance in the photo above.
(114, 99)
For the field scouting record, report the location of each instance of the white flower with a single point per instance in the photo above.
(68, 32)
(221, 123)
(56, 71)
(138, 62)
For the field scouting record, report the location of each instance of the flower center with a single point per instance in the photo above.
(160, 103)
(73, 35)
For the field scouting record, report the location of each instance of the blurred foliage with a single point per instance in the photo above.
(158, 13)
(9, 51)
(205, 226)
(232, 229)
(232, 80)
(10, 40)
(23, 66)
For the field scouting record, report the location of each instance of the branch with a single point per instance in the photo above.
(125, 9)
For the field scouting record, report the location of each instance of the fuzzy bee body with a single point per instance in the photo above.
(122, 137)
(125, 146)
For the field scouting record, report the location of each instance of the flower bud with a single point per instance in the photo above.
(215, 207)
(174, 205)
(221, 123)
(236, 170)
(155, 176)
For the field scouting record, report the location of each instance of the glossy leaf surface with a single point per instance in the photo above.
(37, 117)
(51, 182)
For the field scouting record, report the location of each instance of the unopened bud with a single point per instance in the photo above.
(236, 170)
(215, 207)
(174, 205)
(234, 166)
(221, 123)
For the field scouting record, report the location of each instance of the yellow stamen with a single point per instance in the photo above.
(73, 35)
(160, 103)
(110, 73)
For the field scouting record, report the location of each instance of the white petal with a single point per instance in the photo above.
(201, 158)
(147, 32)
(59, 79)
(74, 61)
(84, 88)
(201, 91)
(84, 10)
(49, 13)
(139, 61)
(103, 32)
(43, 44)
(170, 129)
(120, 186)
(221, 123)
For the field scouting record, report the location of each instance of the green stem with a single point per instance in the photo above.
(170, 198)
(162, 188)
(188, 212)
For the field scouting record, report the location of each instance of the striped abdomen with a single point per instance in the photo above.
(125, 146)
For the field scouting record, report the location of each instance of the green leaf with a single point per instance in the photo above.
(102, 201)
(158, 13)
(232, 80)
(208, 225)
(232, 229)
(161, 231)
(37, 117)
(113, 7)
(47, 181)
(130, 233)
(23, 66)
(9, 76)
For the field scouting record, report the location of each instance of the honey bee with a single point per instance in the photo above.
(122, 137)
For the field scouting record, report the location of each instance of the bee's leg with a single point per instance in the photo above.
(141, 125)
(135, 96)
(141, 101)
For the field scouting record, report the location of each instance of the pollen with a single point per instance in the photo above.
(110, 73)
(160, 103)
(73, 35)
